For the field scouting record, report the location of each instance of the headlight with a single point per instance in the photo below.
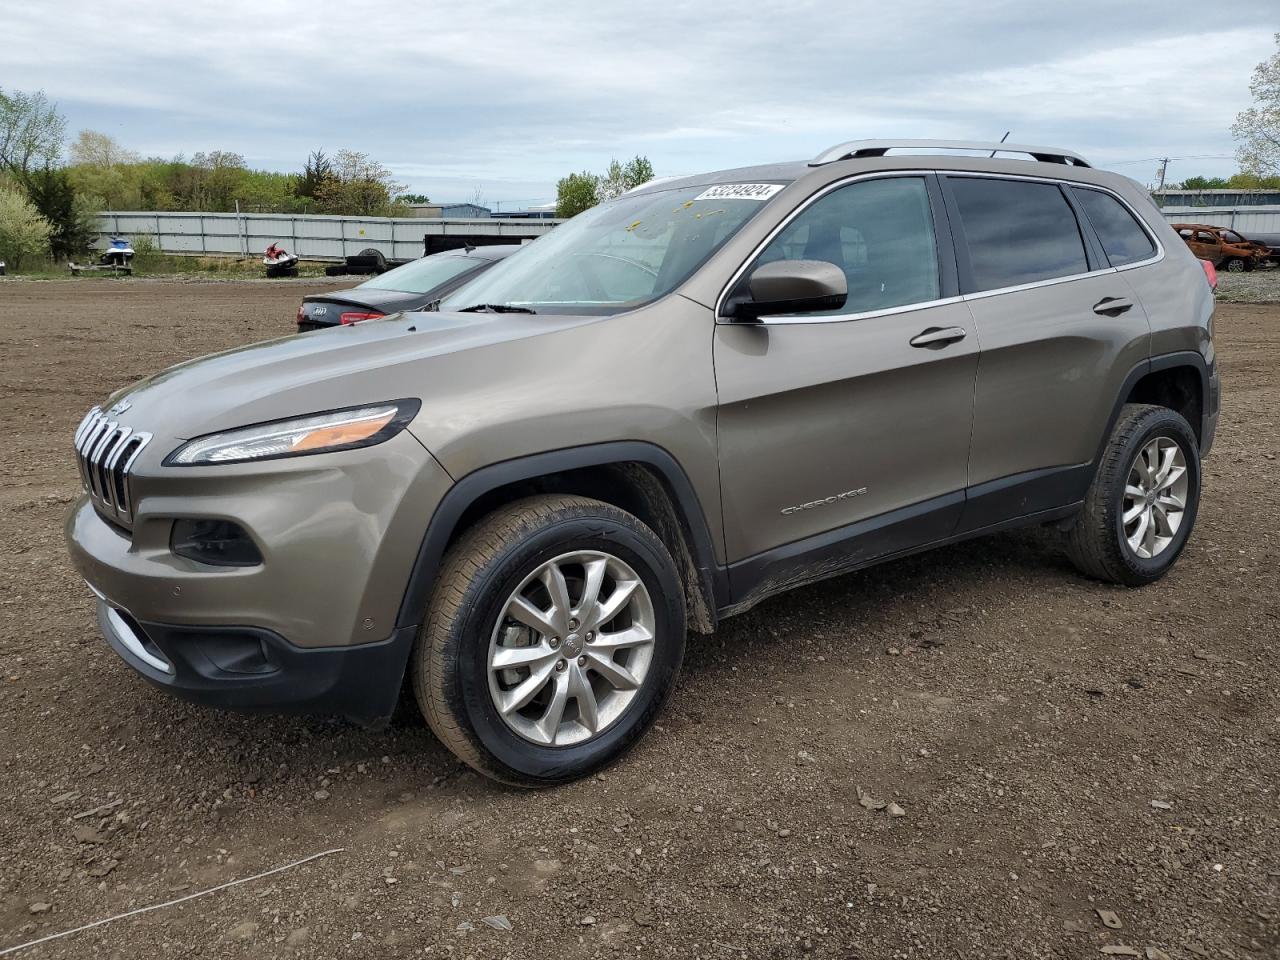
(322, 433)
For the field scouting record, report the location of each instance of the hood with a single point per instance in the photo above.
(368, 362)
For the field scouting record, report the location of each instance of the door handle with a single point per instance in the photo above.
(936, 337)
(1112, 306)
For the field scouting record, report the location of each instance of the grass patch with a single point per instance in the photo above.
(150, 263)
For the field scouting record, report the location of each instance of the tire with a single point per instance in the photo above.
(1236, 265)
(1098, 543)
(482, 573)
(335, 270)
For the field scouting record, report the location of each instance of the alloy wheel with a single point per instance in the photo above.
(571, 648)
(1155, 497)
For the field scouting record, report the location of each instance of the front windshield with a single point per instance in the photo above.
(423, 276)
(620, 254)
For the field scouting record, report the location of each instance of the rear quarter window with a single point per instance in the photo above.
(1017, 231)
(1122, 237)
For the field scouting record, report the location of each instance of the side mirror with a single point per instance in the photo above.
(790, 286)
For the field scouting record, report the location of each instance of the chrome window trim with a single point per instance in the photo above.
(842, 317)
(785, 319)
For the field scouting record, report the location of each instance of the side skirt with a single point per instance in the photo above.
(855, 547)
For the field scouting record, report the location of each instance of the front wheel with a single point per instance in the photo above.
(1142, 503)
(554, 637)
(1237, 265)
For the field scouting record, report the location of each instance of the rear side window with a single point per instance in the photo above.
(1122, 237)
(1017, 231)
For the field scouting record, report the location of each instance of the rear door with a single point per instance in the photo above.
(830, 419)
(1060, 329)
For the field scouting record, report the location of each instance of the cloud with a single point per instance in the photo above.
(510, 96)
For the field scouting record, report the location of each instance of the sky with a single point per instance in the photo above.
(498, 100)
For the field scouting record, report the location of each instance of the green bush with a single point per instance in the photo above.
(24, 234)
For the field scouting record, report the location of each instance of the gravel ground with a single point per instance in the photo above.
(1256, 286)
(1059, 751)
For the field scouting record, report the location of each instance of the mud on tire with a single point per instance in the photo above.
(451, 666)
(1097, 542)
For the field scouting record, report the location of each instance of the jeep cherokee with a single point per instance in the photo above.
(680, 402)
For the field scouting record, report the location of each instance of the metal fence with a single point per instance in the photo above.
(1247, 220)
(310, 237)
(332, 238)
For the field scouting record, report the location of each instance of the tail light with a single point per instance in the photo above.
(347, 318)
(1210, 274)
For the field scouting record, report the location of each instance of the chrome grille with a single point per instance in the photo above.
(105, 451)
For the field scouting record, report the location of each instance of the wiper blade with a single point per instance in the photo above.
(496, 308)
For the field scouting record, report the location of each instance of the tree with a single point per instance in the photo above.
(581, 191)
(1203, 183)
(1258, 128)
(575, 193)
(94, 149)
(359, 186)
(413, 198)
(23, 232)
(31, 133)
(54, 196)
(620, 178)
(317, 170)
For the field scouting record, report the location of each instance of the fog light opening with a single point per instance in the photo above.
(219, 543)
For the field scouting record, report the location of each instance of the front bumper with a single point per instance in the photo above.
(244, 668)
(313, 626)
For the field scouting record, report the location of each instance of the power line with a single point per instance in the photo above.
(1203, 156)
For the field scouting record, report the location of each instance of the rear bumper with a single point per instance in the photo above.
(245, 668)
(1209, 427)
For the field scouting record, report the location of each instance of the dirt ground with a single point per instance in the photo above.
(1057, 747)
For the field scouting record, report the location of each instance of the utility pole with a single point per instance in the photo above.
(1164, 166)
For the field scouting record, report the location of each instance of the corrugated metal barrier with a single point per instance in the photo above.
(310, 237)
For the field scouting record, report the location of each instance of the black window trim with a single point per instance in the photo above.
(1086, 231)
(948, 276)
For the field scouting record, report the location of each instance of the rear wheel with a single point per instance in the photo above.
(554, 637)
(1143, 500)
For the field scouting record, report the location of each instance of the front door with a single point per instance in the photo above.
(844, 434)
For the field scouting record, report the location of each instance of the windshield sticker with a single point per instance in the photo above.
(740, 191)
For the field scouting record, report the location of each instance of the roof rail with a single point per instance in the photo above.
(878, 148)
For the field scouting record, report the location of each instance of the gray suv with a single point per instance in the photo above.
(675, 405)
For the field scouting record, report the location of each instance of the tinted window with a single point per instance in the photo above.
(423, 276)
(879, 232)
(1122, 238)
(1018, 231)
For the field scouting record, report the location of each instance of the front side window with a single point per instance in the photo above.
(1123, 239)
(618, 255)
(879, 232)
(1017, 231)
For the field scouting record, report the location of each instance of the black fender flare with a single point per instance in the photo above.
(470, 488)
(1166, 361)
